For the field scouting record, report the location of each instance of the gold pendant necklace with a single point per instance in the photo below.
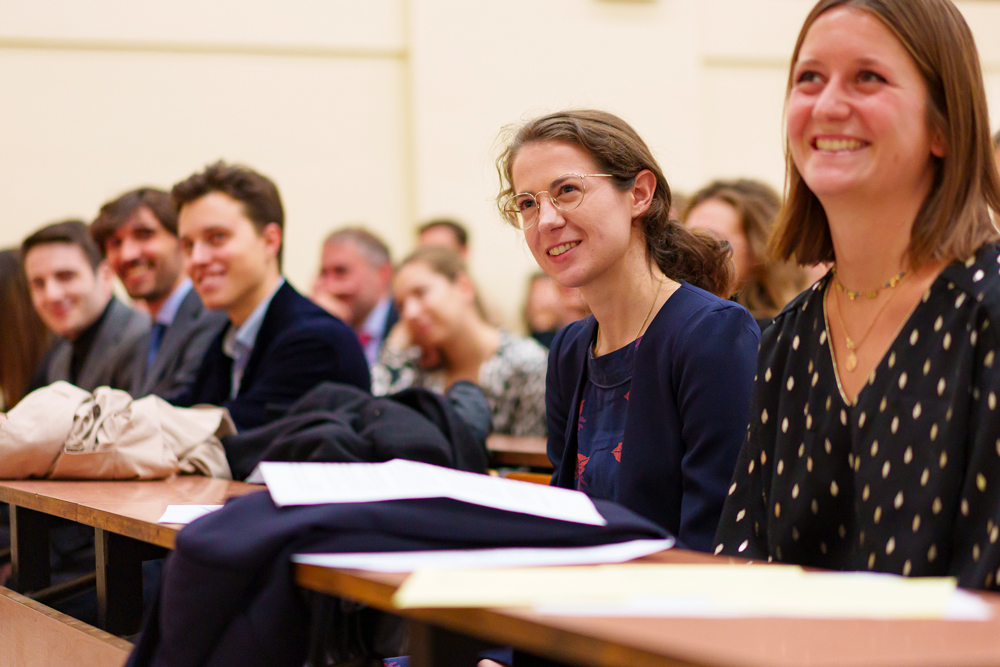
(852, 346)
(597, 342)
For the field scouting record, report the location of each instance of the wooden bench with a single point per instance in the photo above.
(32, 635)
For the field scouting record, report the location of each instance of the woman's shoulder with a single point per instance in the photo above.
(974, 280)
(574, 338)
(692, 309)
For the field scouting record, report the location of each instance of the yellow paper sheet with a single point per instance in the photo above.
(726, 590)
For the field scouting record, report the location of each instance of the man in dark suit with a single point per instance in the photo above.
(138, 232)
(71, 288)
(278, 344)
(353, 284)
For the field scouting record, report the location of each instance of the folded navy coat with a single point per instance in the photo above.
(229, 598)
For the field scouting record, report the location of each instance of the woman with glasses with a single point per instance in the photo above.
(648, 398)
(443, 337)
(874, 440)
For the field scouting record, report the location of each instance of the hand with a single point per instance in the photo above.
(3, 418)
(330, 303)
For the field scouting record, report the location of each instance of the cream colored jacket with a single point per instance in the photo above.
(64, 432)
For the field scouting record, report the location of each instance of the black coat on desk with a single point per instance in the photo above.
(340, 423)
(229, 597)
(299, 345)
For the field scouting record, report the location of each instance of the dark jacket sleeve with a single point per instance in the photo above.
(713, 374)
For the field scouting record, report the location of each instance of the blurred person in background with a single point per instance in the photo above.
(138, 233)
(996, 148)
(353, 284)
(443, 338)
(743, 212)
(548, 307)
(24, 338)
(445, 233)
(71, 288)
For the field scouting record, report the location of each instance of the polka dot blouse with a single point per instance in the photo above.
(907, 478)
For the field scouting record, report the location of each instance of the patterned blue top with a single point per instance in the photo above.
(601, 423)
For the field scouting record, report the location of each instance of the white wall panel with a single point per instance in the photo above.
(371, 24)
(88, 125)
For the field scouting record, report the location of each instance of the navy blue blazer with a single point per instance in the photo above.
(687, 415)
(299, 345)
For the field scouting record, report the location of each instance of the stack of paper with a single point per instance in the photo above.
(693, 590)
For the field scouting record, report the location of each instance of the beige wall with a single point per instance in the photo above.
(383, 112)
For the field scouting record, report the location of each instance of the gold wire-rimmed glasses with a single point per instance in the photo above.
(521, 210)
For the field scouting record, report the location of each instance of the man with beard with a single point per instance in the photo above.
(138, 232)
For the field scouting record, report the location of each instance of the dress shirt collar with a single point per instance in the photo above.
(238, 343)
(374, 330)
(168, 311)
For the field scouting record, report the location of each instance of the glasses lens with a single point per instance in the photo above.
(511, 214)
(526, 208)
(568, 192)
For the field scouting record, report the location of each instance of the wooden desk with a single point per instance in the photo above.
(444, 636)
(123, 515)
(506, 450)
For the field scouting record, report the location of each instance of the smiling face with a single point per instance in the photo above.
(430, 305)
(580, 246)
(233, 265)
(857, 112)
(349, 276)
(67, 292)
(146, 257)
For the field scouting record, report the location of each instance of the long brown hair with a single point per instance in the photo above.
(617, 149)
(24, 339)
(954, 220)
(771, 283)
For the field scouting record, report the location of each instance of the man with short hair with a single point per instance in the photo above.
(278, 344)
(353, 284)
(445, 233)
(138, 232)
(71, 288)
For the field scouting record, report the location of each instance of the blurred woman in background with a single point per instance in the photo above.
(24, 339)
(744, 212)
(443, 338)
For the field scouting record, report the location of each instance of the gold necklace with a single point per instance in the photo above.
(852, 295)
(597, 343)
(852, 346)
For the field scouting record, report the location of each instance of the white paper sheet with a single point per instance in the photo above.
(185, 514)
(321, 483)
(473, 558)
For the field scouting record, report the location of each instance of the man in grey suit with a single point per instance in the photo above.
(71, 288)
(138, 233)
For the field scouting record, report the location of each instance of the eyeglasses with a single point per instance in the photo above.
(521, 210)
